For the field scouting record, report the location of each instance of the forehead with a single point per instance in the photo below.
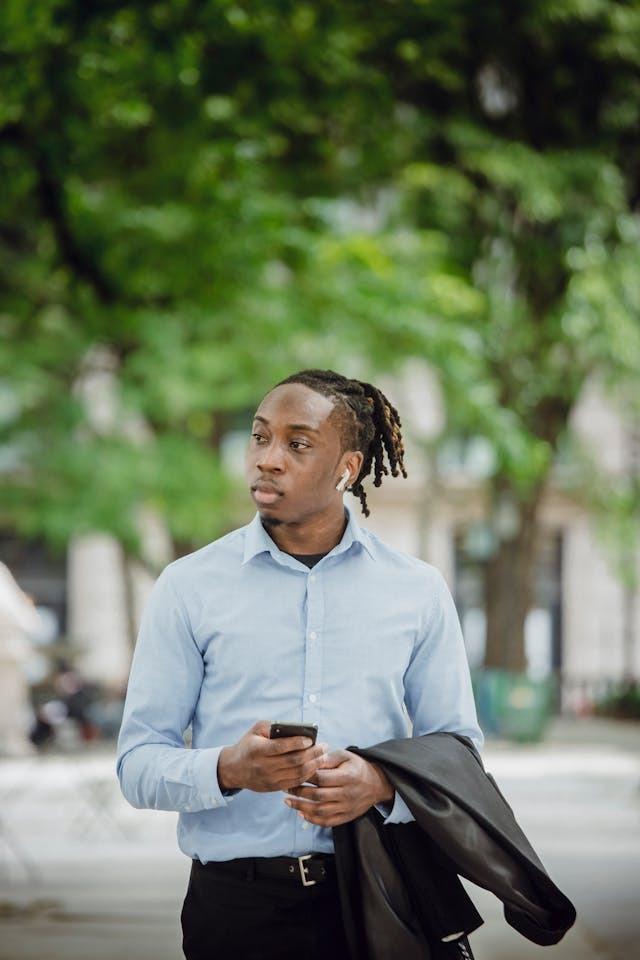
(294, 403)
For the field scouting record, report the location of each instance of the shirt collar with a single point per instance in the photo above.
(257, 540)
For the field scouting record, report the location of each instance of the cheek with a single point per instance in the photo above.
(318, 480)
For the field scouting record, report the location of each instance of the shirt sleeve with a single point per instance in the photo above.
(437, 682)
(154, 768)
(398, 812)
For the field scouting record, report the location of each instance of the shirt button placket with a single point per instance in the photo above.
(311, 694)
(313, 652)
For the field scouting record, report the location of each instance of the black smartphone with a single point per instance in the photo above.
(293, 730)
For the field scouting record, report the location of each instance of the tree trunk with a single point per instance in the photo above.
(629, 614)
(630, 587)
(509, 582)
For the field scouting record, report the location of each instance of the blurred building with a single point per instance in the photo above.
(19, 624)
(583, 624)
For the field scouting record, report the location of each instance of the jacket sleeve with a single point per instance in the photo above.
(437, 682)
(154, 768)
(465, 816)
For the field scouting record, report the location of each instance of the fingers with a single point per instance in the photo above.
(331, 778)
(285, 762)
(326, 804)
(325, 813)
(262, 728)
(313, 794)
(302, 758)
(293, 771)
(288, 745)
(336, 757)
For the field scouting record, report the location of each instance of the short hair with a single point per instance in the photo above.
(367, 421)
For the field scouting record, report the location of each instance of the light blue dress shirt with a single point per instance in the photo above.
(241, 631)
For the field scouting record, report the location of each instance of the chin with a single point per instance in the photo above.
(270, 521)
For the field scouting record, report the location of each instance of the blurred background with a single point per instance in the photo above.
(199, 198)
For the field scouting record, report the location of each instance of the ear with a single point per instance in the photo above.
(352, 461)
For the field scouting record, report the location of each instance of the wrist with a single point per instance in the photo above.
(227, 774)
(385, 792)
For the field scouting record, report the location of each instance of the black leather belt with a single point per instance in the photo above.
(306, 870)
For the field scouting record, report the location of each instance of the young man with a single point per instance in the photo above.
(299, 616)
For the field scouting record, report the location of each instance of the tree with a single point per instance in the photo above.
(523, 152)
(174, 179)
(188, 180)
(146, 216)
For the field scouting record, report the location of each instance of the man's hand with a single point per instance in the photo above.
(346, 786)
(261, 764)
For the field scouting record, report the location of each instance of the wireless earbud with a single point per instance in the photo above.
(343, 480)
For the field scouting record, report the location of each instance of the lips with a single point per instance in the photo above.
(265, 493)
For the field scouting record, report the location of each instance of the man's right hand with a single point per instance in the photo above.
(258, 763)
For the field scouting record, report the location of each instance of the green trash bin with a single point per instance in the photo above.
(527, 708)
(514, 705)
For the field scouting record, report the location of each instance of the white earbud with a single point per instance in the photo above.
(343, 480)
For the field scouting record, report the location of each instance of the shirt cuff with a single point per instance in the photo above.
(205, 773)
(397, 813)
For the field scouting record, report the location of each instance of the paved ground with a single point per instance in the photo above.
(84, 875)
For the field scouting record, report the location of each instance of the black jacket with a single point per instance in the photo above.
(400, 892)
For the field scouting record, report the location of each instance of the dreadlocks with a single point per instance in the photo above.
(367, 421)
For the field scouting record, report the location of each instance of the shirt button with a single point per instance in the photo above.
(305, 825)
(313, 635)
(312, 697)
(312, 577)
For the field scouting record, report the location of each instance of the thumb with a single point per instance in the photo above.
(335, 758)
(262, 728)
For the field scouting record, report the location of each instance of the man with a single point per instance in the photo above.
(299, 616)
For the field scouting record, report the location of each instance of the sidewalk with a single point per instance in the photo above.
(577, 796)
(111, 879)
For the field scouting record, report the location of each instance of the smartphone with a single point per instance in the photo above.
(293, 730)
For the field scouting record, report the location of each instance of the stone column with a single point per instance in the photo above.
(97, 603)
(19, 621)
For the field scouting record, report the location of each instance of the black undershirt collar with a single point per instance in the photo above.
(310, 559)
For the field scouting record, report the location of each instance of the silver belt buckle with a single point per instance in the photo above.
(303, 871)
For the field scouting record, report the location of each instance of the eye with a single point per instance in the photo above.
(300, 444)
(258, 436)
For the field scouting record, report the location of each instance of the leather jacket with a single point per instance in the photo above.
(399, 884)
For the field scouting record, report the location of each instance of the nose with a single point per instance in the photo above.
(270, 458)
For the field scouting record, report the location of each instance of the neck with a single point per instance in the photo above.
(317, 534)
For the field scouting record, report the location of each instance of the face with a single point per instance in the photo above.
(294, 455)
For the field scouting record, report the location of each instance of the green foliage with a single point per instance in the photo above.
(612, 500)
(216, 193)
(622, 703)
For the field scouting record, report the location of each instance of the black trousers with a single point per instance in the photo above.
(239, 917)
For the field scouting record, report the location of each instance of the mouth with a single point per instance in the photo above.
(265, 495)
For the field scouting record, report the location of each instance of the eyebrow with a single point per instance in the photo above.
(290, 426)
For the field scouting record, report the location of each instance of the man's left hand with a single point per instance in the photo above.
(346, 786)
